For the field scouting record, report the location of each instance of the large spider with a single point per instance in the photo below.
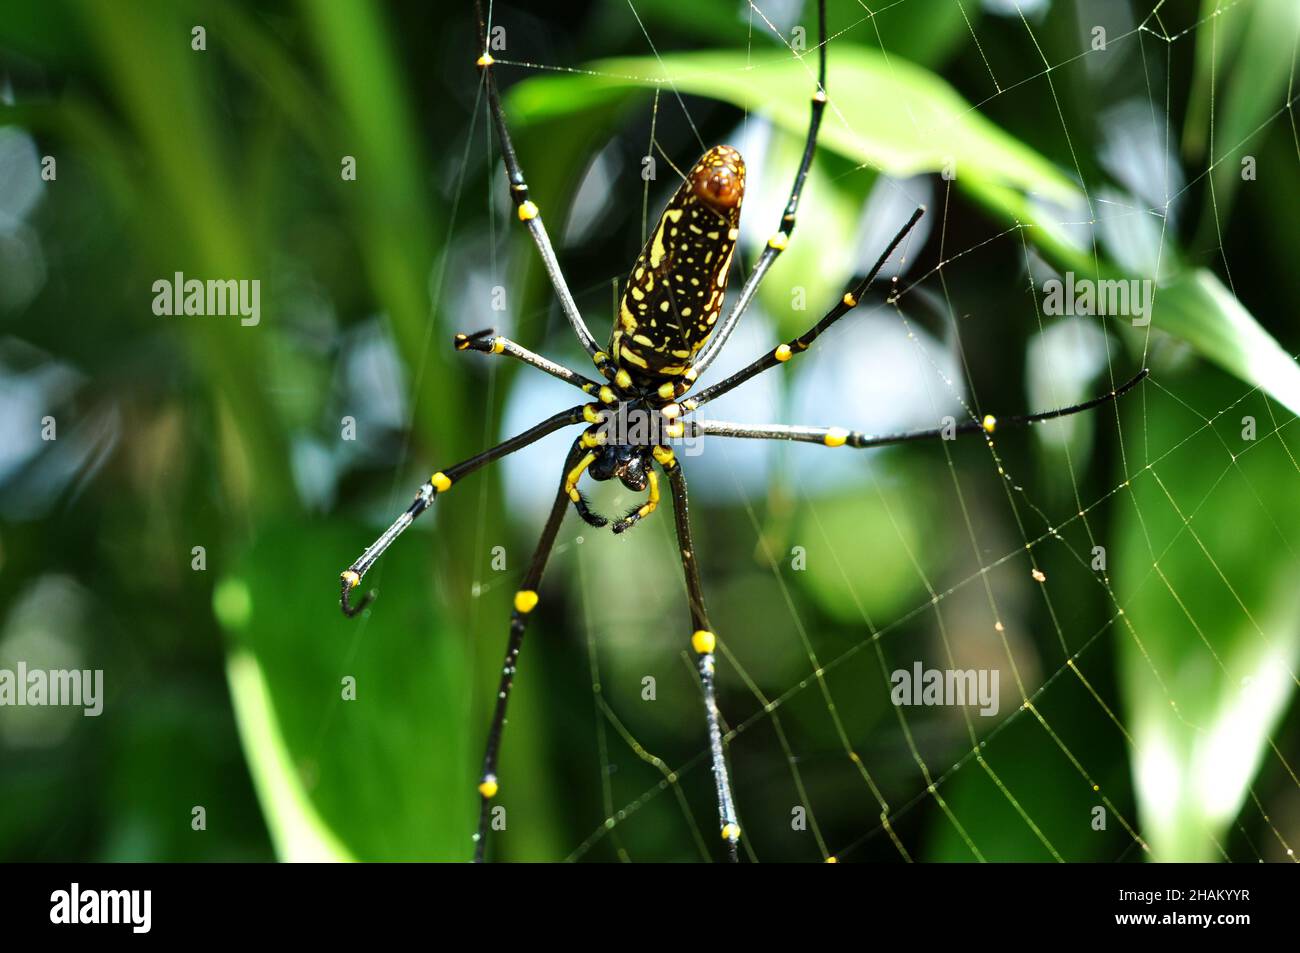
(666, 334)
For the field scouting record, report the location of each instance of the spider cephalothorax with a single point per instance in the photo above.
(666, 333)
(624, 442)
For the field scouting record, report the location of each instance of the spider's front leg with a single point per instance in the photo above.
(591, 450)
(441, 482)
(488, 341)
(703, 642)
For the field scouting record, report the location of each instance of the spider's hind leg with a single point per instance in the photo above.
(703, 642)
(525, 601)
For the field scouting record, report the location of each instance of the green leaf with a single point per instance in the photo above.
(886, 113)
(1211, 633)
(297, 830)
(1200, 310)
(1244, 62)
(386, 776)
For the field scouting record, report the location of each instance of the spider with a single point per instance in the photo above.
(666, 333)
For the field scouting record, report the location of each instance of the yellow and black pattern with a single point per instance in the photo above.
(675, 291)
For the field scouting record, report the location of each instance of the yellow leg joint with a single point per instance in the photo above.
(783, 353)
(607, 395)
(836, 437)
(675, 429)
(489, 788)
(850, 299)
(671, 411)
(498, 345)
(832, 859)
(731, 832)
(592, 414)
(525, 600)
(667, 390)
(352, 578)
(778, 241)
(623, 379)
(704, 642)
(571, 481)
(989, 423)
(651, 503)
(665, 456)
(485, 60)
(441, 482)
(527, 211)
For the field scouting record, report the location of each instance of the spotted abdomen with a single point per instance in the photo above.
(674, 293)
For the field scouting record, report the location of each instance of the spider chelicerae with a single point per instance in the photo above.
(666, 333)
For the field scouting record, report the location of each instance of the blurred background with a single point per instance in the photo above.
(181, 492)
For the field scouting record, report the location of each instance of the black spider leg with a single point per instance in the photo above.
(778, 242)
(441, 482)
(783, 352)
(488, 341)
(592, 438)
(527, 210)
(837, 437)
(703, 642)
(525, 602)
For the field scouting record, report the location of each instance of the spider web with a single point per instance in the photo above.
(812, 734)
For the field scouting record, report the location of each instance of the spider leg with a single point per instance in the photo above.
(778, 242)
(573, 471)
(703, 642)
(638, 513)
(441, 482)
(783, 352)
(527, 209)
(839, 437)
(525, 602)
(486, 342)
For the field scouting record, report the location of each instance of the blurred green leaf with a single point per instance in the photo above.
(1244, 68)
(1200, 310)
(872, 535)
(296, 828)
(386, 776)
(897, 117)
(1211, 634)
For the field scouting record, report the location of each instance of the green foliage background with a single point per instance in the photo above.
(224, 685)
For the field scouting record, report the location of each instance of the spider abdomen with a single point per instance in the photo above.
(675, 291)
